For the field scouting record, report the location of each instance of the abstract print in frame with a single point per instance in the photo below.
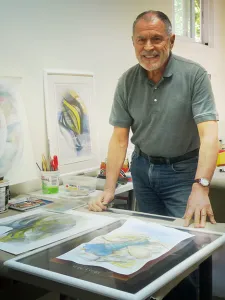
(39, 227)
(16, 154)
(68, 101)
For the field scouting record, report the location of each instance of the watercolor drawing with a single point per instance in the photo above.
(36, 227)
(11, 133)
(73, 123)
(128, 248)
(40, 227)
(16, 153)
(121, 250)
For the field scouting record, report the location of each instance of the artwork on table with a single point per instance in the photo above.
(127, 249)
(63, 206)
(69, 112)
(39, 227)
(4, 229)
(16, 155)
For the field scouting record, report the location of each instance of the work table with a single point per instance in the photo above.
(51, 278)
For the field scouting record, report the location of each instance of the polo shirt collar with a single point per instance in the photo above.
(170, 67)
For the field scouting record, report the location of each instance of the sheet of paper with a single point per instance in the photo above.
(127, 249)
(17, 162)
(64, 206)
(39, 227)
(4, 229)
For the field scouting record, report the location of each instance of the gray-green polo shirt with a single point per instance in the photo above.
(164, 116)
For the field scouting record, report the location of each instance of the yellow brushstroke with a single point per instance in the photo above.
(76, 114)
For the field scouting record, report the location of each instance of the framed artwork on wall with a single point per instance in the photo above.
(17, 162)
(69, 104)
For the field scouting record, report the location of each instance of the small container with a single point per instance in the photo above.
(221, 158)
(50, 182)
(79, 185)
(4, 195)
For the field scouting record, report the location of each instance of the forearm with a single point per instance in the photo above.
(115, 159)
(207, 158)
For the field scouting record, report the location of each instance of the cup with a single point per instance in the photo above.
(50, 182)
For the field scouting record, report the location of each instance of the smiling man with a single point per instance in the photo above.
(152, 43)
(168, 103)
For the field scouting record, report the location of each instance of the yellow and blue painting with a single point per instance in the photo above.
(127, 249)
(33, 230)
(40, 227)
(36, 227)
(74, 126)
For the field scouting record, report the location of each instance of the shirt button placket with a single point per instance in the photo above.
(155, 88)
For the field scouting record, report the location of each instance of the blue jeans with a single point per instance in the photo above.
(162, 189)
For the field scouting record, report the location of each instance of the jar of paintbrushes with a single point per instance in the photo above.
(49, 175)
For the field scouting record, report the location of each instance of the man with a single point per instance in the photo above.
(168, 103)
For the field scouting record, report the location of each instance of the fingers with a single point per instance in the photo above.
(188, 215)
(97, 204)
(200, 216)
(94, 207)
(203, 218)
(100, 204)
(197, 217)
(211, 215)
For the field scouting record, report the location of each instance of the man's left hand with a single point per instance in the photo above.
(199, 207)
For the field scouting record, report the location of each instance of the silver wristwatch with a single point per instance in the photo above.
(203, 181)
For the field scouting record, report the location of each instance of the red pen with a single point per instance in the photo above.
(55, 162)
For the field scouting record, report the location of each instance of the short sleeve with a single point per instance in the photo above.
(119, 115)
(203, 103)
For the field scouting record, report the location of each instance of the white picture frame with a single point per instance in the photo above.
(71, 131)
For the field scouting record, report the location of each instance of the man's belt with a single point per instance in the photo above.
(159, 160)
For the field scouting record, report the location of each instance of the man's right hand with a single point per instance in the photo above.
(98, 203)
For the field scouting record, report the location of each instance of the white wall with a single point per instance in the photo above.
(92, 35)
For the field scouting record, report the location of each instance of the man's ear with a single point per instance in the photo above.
(172, 41)
(132, 40)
